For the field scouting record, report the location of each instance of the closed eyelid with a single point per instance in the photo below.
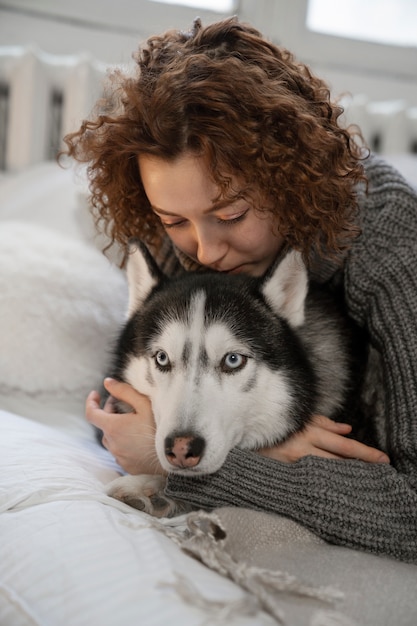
(166, 214)
(229, 219)
(234, 216)
(179, 222)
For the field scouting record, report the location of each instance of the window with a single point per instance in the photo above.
(382, 21)
(222, 6)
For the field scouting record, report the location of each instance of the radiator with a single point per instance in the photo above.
(44, 96)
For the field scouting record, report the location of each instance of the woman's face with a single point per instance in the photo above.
(232, 238)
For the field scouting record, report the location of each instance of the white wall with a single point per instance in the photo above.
(111, 29)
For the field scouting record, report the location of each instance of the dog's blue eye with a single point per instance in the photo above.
(233, 362)
(162, 360)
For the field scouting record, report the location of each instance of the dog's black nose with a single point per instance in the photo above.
(184, 450)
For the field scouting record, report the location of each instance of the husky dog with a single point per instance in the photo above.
(228, 360)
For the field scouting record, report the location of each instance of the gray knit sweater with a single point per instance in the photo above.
(371, 507)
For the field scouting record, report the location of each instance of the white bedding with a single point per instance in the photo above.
(69, 554)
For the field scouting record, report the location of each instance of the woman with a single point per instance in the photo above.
(219, 151)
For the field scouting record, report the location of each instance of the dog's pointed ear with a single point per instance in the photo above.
(143, 274)
(285, 288)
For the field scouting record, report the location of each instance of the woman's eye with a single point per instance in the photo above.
(162, 361)
(173, 224)
(233, 220)
(233, 362)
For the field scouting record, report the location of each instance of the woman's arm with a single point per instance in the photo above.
(367, 506)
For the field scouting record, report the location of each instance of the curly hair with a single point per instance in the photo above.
(254, 113)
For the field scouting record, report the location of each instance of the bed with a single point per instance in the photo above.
(69, 554)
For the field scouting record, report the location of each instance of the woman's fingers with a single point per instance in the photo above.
(327, 439)
(350, 449)
(124, 392)
(326, 436)
(331, 425)
(110, 405)
(291, 451)
(94, 414)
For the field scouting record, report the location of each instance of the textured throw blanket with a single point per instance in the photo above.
(291, 574)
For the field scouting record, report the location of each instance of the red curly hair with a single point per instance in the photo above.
(254, 113)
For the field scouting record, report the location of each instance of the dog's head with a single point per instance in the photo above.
(218, 356)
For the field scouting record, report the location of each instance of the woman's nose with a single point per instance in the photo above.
(211, 248)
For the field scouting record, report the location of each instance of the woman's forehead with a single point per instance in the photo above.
(180, 183)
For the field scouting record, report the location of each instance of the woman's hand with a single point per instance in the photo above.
(325, 438)
(130, 437)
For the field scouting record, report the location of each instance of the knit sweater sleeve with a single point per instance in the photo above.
(372, 507)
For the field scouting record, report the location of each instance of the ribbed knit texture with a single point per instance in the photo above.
(371, 507)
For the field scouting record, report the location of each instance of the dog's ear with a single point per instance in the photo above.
(143, 274)
(285, 288)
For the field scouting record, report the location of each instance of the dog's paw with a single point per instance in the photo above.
(146, 493)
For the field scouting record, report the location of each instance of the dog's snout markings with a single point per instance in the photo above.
(184, 450)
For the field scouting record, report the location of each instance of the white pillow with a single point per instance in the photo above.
(61, 306)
